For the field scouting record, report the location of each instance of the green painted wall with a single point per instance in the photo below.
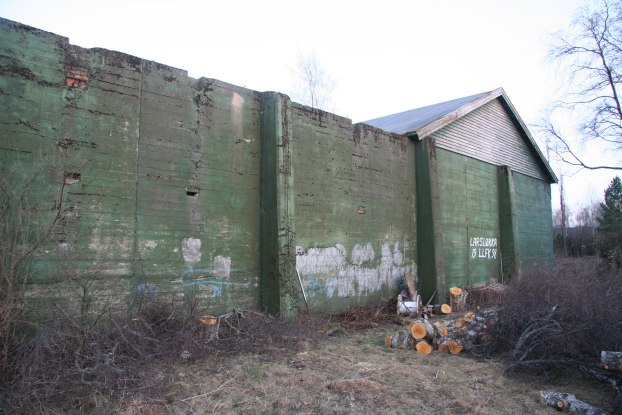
(508, 242)
(200, 192)
(533, 211)
(280, 285)
(469, 217)
(173, 182)
(429, 237)
(151, 208)
(355, 213)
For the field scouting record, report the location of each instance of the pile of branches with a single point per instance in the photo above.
(69, 362)
(360, 317)
(563, 318)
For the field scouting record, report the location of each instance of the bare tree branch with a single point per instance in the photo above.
(564, 151)
(591, 51)
(313, 86)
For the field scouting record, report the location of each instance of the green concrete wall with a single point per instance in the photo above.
(189, 190)
(431, 271)
(159, 174)
(533, 211)
(210, 195)
(469, 217)
(355, 209)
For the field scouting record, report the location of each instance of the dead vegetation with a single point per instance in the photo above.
(68, 365)
(562, 319)
(159, 359)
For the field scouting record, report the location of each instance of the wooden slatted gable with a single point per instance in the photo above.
(489, 134)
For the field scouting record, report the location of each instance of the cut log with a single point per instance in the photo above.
(400, 340)
(443, 348)
(387, 341)
(207, 320)
(460, 323)
(423, 347)
(422, 329)
(457, 298)
(455, 290)
(567, 402)
(445, 309)
(441, 331)
(611, 360)
(454, 347)
(410, 283)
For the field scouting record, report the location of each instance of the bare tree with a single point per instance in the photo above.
(312, 85)
(591, 50)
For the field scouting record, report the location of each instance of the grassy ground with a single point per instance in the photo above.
(347, 373)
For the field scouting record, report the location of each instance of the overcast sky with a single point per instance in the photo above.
(386, 56)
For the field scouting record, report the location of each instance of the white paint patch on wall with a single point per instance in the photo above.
(322, 260)
(221, 266)
(147, 246)
(150, 244)
(362, 254)
(191, 250)
(346, 279)
(237, 105)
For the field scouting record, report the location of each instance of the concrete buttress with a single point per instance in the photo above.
(279, 287)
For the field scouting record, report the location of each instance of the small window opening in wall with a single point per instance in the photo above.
(71, 178)
(192, 191)
(361, 210)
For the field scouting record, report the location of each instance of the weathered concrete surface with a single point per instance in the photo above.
(534, 229)
(151, 208)
(210, 195)
(355, 213)
(184, 189)
(279, 280)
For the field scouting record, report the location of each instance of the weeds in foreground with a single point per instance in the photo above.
(562, 318)
(70, 365)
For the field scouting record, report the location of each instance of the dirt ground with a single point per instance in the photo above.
(351, 372)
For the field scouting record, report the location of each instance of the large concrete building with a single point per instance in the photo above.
(157, 186)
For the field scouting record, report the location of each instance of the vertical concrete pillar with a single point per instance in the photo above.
(431, 268)
(508, 225)
(279, 282)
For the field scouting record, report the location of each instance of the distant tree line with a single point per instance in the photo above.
(595, 229)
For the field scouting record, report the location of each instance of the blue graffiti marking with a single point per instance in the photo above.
(147, 291)
(202, 277)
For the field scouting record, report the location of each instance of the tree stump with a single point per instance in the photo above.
(611, 360)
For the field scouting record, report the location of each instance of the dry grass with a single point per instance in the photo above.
(344, 374)
(160, 361)
(299, 370)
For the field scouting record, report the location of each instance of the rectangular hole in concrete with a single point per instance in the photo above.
(192, 191)
(71, 178)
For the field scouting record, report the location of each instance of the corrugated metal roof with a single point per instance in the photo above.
(408, 122)
(421, 122)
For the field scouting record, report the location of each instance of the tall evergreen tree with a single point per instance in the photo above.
(610, 221)
(610, 224)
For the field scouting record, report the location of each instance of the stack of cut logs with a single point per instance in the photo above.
(457, 302)
(473, 332)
